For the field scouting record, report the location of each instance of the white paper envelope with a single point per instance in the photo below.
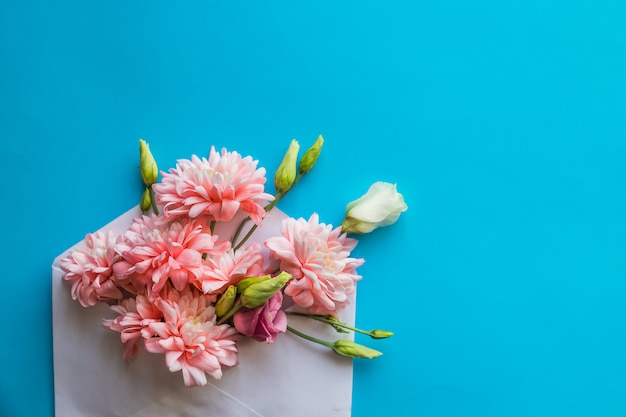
(292, 377)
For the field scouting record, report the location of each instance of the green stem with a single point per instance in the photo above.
(325, 319)
(253, 228)
(310, 338)
(212, 226)
(279, 196)
(153, 201)
(239, 229)
(230, 313)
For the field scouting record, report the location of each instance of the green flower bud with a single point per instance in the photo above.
(147, 164)
(354, 350)
(310, 156)
(246, 282)
(145, 202)
(380, 334)
(226, 301)
(257, 294)
(286, 173)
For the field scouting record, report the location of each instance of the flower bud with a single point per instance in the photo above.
(310, 156)
(380, 206)
(349, 348)
(380, 334)
(145, 202)
(257, 294)
(147, 164)
(286, 173)
(246, 282)
(226, 301)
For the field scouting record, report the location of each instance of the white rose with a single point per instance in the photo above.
(380, 206)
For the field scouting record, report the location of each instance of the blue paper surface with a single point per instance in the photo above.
(501, 122)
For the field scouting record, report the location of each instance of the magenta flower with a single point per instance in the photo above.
(216, 188)
(89, 269)
(263, 323)
(133, 322)
(318, 257)
(191, 340)
(158, 253)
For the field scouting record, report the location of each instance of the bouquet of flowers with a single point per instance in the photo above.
(185, 280)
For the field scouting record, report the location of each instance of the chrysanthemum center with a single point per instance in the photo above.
(194, 327)
(207, 174)
(98, 252)
(329, 261)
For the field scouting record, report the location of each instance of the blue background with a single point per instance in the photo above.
(501, 122)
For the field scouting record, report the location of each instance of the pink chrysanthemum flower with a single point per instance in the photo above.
(155, 253)
(215, 188)
(230, 267)
(88, 269)
(135, 316)
(191, 340)
(318, 257)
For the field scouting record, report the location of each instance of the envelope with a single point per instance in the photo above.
(292, 377)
